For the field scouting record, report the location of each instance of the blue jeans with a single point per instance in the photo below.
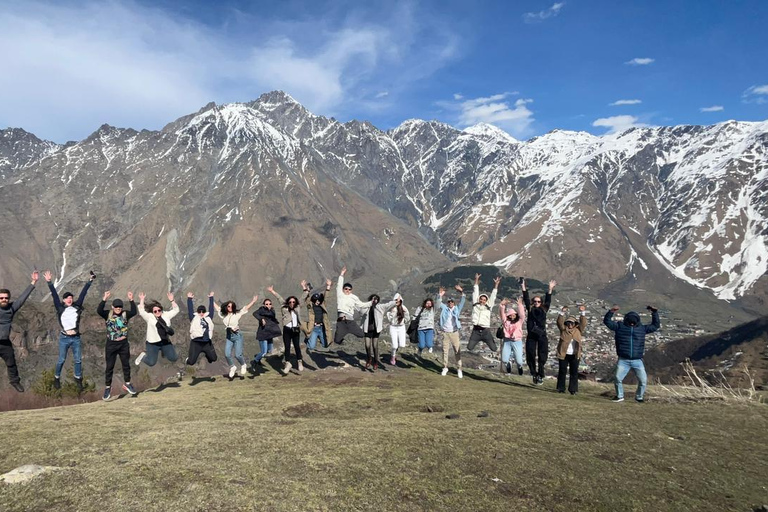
(317, 332)
(622, 369)
(263, 349)
(65, 342)
(152, 351)
(512, 347)
(426, 338)
(234, 340)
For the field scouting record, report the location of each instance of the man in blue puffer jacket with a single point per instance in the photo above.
(630, 346)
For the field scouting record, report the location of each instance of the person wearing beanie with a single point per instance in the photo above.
(630, 347)
(537, 344)
(200, 330)
(451, 327)
(569, 348)
(346, 304)
(69, 312)
(117, 341)
(7, 310)
(481, 315)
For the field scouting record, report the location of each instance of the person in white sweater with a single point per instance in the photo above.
(481, 315)
(159, 332)
(346, 304)
(230, 316)
(398, 317)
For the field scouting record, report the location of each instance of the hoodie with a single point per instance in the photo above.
(570, 335)
(512, 330)
(630, 339)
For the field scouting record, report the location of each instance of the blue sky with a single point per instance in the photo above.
(526, 66)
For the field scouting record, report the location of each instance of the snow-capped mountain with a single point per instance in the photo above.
(267, 188)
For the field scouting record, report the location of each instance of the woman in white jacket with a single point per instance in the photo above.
(398, 317)
(158, 332)
(372, 322)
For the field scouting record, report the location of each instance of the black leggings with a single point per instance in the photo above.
(536, 346)
(372, 345)
(291, 335)
(201, 347)
(570, 365)
(112, 350)
(6, 353)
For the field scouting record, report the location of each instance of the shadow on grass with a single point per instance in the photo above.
(427, 364)
(163, 386)
(198, 380)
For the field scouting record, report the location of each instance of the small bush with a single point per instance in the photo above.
(44, 386)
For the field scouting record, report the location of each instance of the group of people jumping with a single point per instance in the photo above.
(309, 316)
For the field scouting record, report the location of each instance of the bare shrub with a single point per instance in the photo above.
(695, 388)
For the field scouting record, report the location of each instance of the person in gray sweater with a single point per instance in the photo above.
(7, 310)
(426, 328)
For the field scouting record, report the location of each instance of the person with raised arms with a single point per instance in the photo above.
(269, 328)
(7, 310)
(318, 324)
(117, 341)
(451, 327)
(372, 323)
(569, 348)
(200, 330)
(69, 312)
(290, 312)
(512, 324)
(398, 317)
(230, 315)
(426, 327)
(537, 344)
(346, 304)
(159, 332)
(481, 315)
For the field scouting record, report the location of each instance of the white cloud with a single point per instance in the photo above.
(755, 94)
(624, 102)
(536, 17)
(516, 119)
(382, 94)
(713, 108)
(640, 61)
(128, 64)
(458, 96)
(618, 124)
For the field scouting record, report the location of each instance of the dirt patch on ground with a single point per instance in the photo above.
(304, 410)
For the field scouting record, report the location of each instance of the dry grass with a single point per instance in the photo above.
(694, 388)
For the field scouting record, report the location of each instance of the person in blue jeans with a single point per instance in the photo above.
(630, 347)
(230, 315)
(426, 329)
(318, 323)
(69, 312)
(269, 328)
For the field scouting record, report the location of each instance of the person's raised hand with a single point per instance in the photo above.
(504, 302)
(106, 295)
(47, 275)
(565, 309)
(459, 288)
(130, 296)
(441, 291)
(210, 294)
(614, 308)
(142, 296)
(496, 281)
(343, 270)
(271, 289)
(328, 283)
(552, 285)
(582, 307)
(190, 295)
(303, 284)
(35, 276)
(170, 296)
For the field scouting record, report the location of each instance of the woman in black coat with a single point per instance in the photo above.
(269, 328)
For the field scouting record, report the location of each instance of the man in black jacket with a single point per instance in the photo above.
(7, 310)
(117, 341)
(536, 343)
(630, 347)
(69, 312)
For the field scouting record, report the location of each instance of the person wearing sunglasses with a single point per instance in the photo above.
(569, 348)
(117, 341)
(318, 323)
(451, 327)
(536, 343)
(159, 332)
(269, 328)
(229, 313)
(7, 310)
(481, 315)
(200, 331)
(372, 322)
(69, 311)
(346, 304)
(289, 312)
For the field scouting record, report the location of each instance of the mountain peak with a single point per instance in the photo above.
(276, 97)
(489, 130)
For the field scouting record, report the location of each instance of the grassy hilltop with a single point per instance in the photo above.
(344, 439)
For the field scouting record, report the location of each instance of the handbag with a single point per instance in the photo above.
(500, 332)
(413, 329)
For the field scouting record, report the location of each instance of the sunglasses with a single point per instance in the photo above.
(347, 289)
(537, 302)
(117, 307)
(157, 310)
(291, 301)
(267, 303)
(4, 298)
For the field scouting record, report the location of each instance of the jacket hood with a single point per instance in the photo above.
(572, 319)
(631, 317)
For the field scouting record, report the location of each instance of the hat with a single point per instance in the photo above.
(450, 299)
(571, 319)
(117, 303)
(67, 294)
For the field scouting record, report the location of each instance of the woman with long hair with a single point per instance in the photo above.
(230, 315)
(269, 328)
(512, 323)
(398, 317)
(372, 322)
(290, 312)
(426, 329)
(159, 332)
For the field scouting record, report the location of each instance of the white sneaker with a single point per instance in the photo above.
(232, 371)
(301, 366)
(444, 372)
(140, 358)
(430, 350)
(287, 368)
(243, 370)
(461, 375)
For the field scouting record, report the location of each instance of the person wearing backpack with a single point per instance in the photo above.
(117, 341)
(69, 312)
(512, 328)
(7, 310)
(537, 344)
(481, 315)
(159, 332)
(451, 327)
(569, 348)
(398, 317)
(372, 323)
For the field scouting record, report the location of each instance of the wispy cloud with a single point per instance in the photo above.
(713, 108)
(618, 124)
(624, 102)
(382, 94)
(755, 94)
(458, 96)
(128, 64)
(537, 17)
(640, 61)
(515, 118)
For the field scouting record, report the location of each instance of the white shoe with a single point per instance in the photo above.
(301, 366)
(444, 372)
(232, 371)
(287, 368)
(461, 375)
(430, 350)
(140, 358)
(243, 370)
